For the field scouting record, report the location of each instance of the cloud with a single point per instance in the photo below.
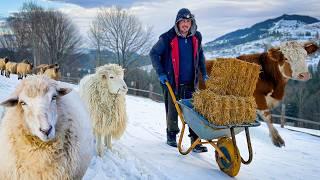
(214, 17)
(98, 3)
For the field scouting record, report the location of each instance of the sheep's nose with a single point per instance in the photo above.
(46, 131)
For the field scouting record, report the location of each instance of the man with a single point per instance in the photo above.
(178, 58)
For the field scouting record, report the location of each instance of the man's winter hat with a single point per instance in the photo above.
(185, 13)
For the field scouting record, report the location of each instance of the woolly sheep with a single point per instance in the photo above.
(11, 68)
(53, 73)
(3, 62)
(104, 93)
(40, 69)
(45, 132)
(23, 69)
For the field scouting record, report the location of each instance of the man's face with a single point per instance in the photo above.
(184, 26)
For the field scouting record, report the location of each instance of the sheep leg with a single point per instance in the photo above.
(99, 145)
(108, 141)
(102, 145)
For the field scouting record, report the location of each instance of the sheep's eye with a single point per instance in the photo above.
(111, 77)
(23, 103)
(54, 97)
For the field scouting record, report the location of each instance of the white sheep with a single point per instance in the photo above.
(45, 132)
(104, 93)
(23, 69)
(11, 68)
(53, 72)
(40, 69)
(3, 62)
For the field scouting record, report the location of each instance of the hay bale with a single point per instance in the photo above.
(230, 76)
(224, 110)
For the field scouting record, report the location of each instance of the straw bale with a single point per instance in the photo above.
(230, 76)
(224, 109)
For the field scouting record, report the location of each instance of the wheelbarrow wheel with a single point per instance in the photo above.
(226, 146)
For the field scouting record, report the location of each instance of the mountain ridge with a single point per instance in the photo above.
(257, 31)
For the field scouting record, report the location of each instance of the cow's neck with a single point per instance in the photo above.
(283, 73)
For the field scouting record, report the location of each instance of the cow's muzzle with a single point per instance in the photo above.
(304, 76)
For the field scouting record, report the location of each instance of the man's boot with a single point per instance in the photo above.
(198, 148)
(171, 139)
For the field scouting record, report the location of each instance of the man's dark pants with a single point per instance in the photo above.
(184, 92)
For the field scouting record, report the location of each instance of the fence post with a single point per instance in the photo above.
(150, 91)
(133, 84)
(283, 113)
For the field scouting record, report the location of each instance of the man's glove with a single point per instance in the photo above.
(205, 78)
(163, 78)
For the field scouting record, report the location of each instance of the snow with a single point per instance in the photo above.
(143, 154)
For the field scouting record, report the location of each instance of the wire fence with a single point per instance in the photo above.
(281, 119)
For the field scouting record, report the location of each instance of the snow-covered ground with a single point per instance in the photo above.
(142, 153)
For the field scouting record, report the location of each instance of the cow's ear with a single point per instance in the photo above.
(275, 55)
(310, 47)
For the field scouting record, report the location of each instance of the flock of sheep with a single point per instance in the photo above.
(24, 68)
(48, 128)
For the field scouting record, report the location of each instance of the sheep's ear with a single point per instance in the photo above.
(12, 101)
(310, 47)
(64, 91)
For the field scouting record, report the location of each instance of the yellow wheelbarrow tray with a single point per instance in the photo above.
(222, 138)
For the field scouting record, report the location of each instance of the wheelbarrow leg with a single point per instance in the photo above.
(196, 142)
(248, 144)
(183, 123)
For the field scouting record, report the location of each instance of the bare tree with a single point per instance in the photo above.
(95, 35)
(58, 36)
(7, 40)
(49, 33)
(123, 34)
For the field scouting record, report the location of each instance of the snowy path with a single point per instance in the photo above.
(142, 153)
(145, 141)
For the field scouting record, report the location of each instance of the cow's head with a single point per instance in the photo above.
(292, 59)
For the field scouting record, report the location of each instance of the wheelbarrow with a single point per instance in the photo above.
(222, 138)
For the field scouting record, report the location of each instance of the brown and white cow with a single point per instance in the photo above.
(278, 65)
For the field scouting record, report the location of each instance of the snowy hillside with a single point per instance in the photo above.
(296, 29)
(142, 153)
(264, 35)
(285, 27)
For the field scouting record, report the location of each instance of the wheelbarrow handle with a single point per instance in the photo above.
(175, 102)
(182, 121)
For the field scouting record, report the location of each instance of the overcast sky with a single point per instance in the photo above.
(214, 17)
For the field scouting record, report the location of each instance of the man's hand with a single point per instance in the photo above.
(163, 79)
